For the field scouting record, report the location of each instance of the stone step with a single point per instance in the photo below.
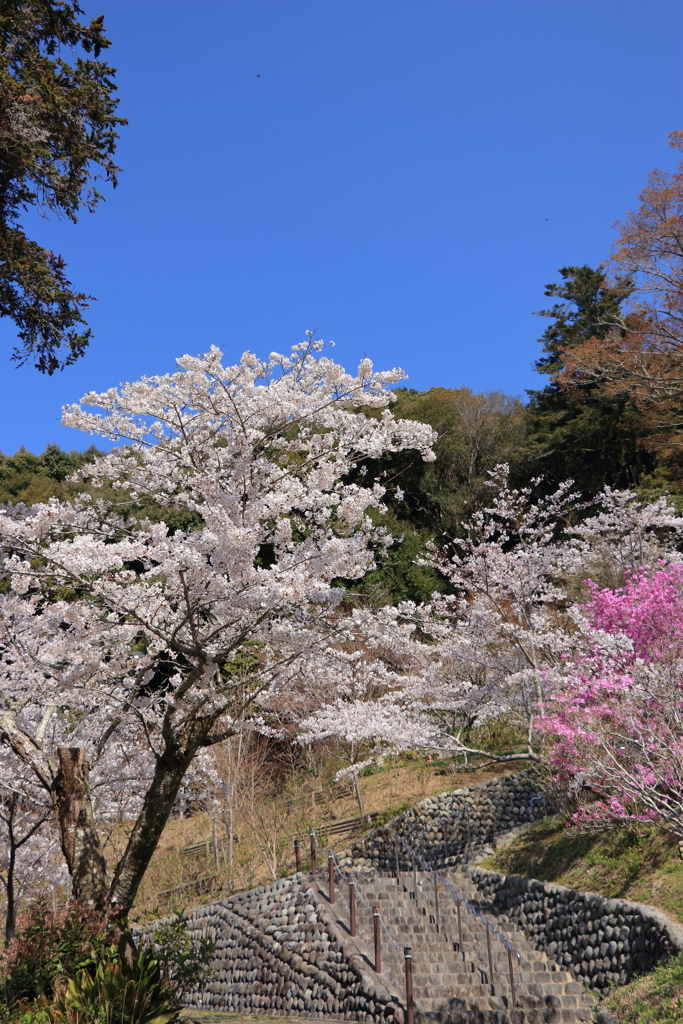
(450, 985)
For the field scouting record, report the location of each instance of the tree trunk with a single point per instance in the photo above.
(156, 809)
(359, 795)
(11, 913)
(78, 835)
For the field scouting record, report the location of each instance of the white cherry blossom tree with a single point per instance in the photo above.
(29, 850)
(123, 634)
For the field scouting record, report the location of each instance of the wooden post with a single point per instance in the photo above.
(512, 978)
(352, 907)
(469, 835)
(436, 903)
(297, 854)
(415, 877)
(313, 864)
(488, 950)
(398, 869)
(408, 960)
(214, 836)
(230, 837)
(330, 874)
(378, 951)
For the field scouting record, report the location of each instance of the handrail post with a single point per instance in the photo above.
(436, 903)
(330, 874)
(512, 979)
(488, 950)
(408, 960)
(313, 863)
(297, 854)
(378, 951)
(352, 907)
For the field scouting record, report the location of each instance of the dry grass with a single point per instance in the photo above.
(288, 814)
(656, 998)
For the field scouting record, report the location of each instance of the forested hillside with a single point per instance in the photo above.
(290, 625)
(29, 478)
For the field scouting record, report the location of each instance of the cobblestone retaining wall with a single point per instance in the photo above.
(604, 942)
(278, 952)
(476, 816)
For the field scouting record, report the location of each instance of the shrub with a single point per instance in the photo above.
(184, 964)
(64, 969)
(47, 945)
(117, 993)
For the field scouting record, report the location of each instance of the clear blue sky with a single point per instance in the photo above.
(405, 175)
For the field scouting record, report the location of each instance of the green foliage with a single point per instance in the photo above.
(657, 485)
(430, 500)
(591, 307)
(47, 945)
(65, 969)
(57, 134)
(656, 998)
(501, 734)
(398, 576)
(635, 862)
(29, 478)
(183, 963)
(588, 436)
(391, 812)
(57, 121)
(595, 440)
(33, 1015)
(138, 993)
(476, 431)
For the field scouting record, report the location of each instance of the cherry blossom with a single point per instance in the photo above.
(127, 637)
(615, 726)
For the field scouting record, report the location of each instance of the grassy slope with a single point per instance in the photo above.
(655, 999)
(642, 865)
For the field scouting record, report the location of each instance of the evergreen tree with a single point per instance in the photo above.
(587, 434)
(57, 136)
(590, 308)
(429, 502)
(29, 478)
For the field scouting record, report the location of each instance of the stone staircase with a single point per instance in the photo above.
(453, 985)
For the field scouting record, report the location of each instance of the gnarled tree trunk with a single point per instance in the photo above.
(78, 835)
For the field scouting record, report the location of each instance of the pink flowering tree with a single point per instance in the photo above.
(125, 637)
(514, 623)
(615, 724)
(501, 645)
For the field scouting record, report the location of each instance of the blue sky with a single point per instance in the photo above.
(404, 175)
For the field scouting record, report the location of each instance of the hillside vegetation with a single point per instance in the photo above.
(635, 862)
